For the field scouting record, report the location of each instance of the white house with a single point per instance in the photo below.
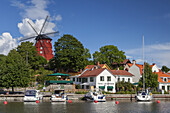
(98, 78)
(164, 81)
(122, 75)
(137, 70)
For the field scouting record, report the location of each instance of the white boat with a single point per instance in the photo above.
(59, 96)
(144, 95)
(95, 96)
(32, 96)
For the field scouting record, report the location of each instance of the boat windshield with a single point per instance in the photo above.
(143, 93)
(30, 93)
(59, 92)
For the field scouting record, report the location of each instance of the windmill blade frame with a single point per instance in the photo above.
(51, 33)
(43, 25)
(27, 38)
(32, 27)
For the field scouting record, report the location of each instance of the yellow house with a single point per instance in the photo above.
(97, 66)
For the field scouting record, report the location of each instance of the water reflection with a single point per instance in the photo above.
(85, 107)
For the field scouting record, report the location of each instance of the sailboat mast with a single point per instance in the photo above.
(143, 67)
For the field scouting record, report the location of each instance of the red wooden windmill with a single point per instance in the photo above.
(43, 42)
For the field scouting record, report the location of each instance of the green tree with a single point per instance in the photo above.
(70, 54)
(14, 71)
(165, 69)
(109, 54)
(30, 55)
(151, 79)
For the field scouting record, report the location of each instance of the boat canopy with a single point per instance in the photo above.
(58, 74)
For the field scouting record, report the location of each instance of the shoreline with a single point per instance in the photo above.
(19, 97)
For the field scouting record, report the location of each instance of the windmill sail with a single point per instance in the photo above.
(43, 42)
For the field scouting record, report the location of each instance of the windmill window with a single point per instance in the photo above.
(41, 52)
(41, 41)
(47, 41)
(41, 47)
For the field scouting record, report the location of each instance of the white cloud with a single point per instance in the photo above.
(58, 18)
(7, 43)
(36, 9)
(156, 53)
(26, 30)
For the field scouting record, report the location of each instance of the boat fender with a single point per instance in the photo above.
(117, 102)
(95, 101)
(69, 101)
(158, 101)
(37, 101)
(5, 102)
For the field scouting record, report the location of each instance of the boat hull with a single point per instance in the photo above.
(144, 98)
(30, 99)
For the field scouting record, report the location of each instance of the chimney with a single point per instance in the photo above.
(153, 63)
(98, 63)
(81, 70)
(134, 61)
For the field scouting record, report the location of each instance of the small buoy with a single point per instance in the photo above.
(37, 101)
(69, 101)
(158, 101)
(5, 102)
(117, 102)
(95, 101)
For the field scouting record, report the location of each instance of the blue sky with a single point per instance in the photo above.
(95, 23)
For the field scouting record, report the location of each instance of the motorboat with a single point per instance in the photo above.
(59, 96)
(95, 96)
(32, 95)
(144, 96)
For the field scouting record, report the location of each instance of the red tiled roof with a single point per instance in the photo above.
(140, 67)
(120, 72)
(92, 73)
(124, 62)
(129, 64)
(92, 66)
(89, 66)
(161, 74)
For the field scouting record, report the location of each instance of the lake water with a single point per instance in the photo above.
(86, 107)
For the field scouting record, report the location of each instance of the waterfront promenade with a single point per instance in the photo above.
(47, 95)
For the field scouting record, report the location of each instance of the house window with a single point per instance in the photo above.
(163, 87)
(73, 79)
(165, 79)
(79, 79)
(128, 79)
(102, 78)
(41, 47)
(91, 79)
(84, 80)
(82, 86)
(109, 78)
(87, 87)
(123, 79)
(168, 87)
(41, 52)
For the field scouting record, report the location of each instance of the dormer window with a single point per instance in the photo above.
(165, 79)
